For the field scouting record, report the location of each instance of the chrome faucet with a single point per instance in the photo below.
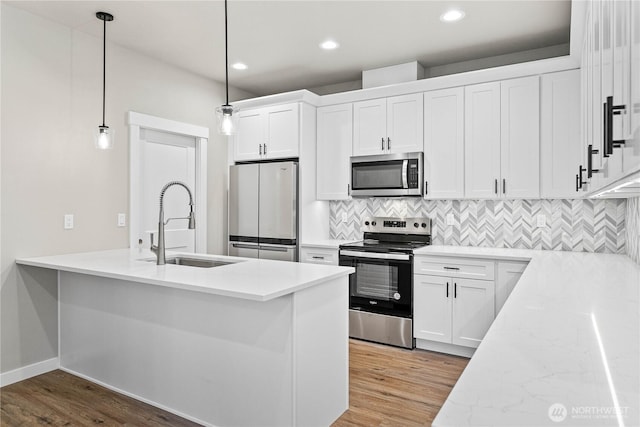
(160, 249)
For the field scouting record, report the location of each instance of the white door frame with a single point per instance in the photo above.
(137, 121)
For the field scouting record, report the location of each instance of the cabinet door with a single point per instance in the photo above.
(482, 140)
(520, 138)
(473, 310)
(249, 136)
(508, 274)
(597, 110)
(561, 146)
(369, 127)
(335, 136)
(632, 147)
(433, 296)
(282, 131)
(405, 123)
(444, 144)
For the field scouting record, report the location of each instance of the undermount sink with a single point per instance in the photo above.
(196, 262)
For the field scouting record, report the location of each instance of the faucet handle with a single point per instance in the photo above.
(153, 248)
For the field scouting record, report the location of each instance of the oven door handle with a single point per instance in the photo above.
(376, 255)
(405, 171)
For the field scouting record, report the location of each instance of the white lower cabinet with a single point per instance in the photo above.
(315, 255)
(452, 309)
(507, 275)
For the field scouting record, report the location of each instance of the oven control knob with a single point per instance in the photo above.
(416, 225)
(396, 296)
(424, 225)
(373, 223)
(366, 223)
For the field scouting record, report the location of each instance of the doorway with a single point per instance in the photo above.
(161, 151)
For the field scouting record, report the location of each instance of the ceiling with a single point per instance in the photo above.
(279, 40)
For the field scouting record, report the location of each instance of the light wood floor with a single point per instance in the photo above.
(388, 387)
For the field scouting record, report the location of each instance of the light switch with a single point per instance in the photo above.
(541, 221)
(450, 219)
(68, 221)
(122, 220)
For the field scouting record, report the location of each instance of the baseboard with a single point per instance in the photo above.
(456, 350)
(136, 397)
(29, 371)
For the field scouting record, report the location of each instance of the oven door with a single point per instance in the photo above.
(382, 282)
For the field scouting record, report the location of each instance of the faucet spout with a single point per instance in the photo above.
(159, 250)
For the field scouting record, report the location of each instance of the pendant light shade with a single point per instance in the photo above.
(104, 136)
(226, 114)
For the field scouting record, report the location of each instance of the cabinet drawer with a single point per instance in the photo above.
(454, 267)
(319, 256)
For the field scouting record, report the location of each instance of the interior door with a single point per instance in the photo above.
(166, 157)
(278, 201)
(243, 202)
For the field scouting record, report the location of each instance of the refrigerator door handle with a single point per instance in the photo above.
(273, 248)
(244, 246)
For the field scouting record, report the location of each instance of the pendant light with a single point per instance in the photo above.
(225, 113)
(104, 137)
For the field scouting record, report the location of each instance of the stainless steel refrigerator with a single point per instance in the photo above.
(263, 210)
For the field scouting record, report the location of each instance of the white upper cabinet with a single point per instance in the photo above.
(388, 125)
(520, 137)
(502, 139)
(631, 150)
(444, 144)
(334, 141)
(561, 146)
(482, 140)
(267, 133)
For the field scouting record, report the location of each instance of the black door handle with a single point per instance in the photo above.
(590, 153)
(495, 186)
(580, 181)
(382, 145)
(455, 290)
(610, 110)
(504, 185)
(426, 188)
(447, 289)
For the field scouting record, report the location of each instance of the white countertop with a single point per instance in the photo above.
(325, 243)
(253, 279)
(569, 334)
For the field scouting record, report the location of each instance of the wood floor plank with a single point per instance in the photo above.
(388, 387)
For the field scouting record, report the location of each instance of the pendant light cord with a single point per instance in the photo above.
(104, 67)
(226, 53)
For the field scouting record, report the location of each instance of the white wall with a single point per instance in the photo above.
(51, 87)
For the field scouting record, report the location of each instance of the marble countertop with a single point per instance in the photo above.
(564, 349)
(325, 243)
(247, 278)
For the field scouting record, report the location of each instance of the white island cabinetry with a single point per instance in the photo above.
(254, 342)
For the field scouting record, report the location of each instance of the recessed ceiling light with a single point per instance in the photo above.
(329, 45)
(452, 15)
(239, 66)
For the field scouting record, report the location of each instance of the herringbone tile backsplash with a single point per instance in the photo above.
(633, 229)
(571, 225)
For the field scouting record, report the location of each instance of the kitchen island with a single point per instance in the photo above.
(252, 342)
(563, 350)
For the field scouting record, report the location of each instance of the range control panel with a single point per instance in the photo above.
(420, 225)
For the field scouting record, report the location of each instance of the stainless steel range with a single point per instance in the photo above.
(381, 289)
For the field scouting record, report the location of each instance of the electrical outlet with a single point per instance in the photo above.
(122, 220)
(541, 221)
(68, 221)
(450, 219)
(344, 217)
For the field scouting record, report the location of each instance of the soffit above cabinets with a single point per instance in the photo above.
(279, 40)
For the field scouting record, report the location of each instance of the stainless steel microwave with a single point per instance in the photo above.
(387, 175)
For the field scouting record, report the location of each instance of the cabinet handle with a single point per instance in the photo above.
(260, 149)
(455, 290)
(426, 188)
(447, 289)
(580, 181)
(504, 186)
(382, 144)
(495, 186)
(610, 111)
(265, 148)
(452, 268)
(605, 132)
(317, 257)
(348, 189)
(388, 143)
(590, 169)
(577, 183)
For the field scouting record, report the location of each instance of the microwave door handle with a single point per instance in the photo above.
(405, 167)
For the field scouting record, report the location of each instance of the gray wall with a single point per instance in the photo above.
(51, 88)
